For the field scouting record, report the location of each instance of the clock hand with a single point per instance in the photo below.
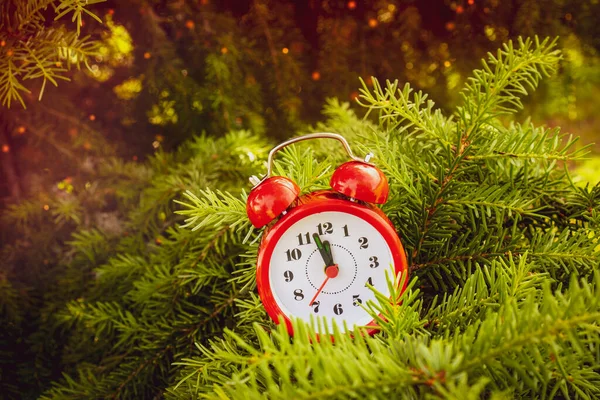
(328, 250)
(324, 253)
(331, 271)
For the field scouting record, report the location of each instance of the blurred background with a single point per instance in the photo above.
(109, 110)
(165, 70)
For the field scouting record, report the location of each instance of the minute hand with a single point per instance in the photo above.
(326, 255)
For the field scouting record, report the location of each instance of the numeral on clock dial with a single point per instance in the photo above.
(293, 254)
(298, 295)
(315, 306)
(303, 238)
(337, 309)
(369, 282)
(356, 301)
(346, 230)
(364, 242)
(289, 276)
(374, 263)
(325, 228)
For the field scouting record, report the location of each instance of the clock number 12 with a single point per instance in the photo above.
(325, 228)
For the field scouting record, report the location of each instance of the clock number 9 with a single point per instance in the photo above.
(298, 295)
(325, 228)
(337, 309)
(294, 254)
(364, 242)
(288, 275)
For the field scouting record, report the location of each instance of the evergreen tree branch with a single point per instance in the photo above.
(496, 88)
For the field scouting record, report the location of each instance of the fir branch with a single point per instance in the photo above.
(414, 365)
(400, 113)
(45, 53)
(10, 85)
(496, 87)
(216, 209)
(152, 360)
(78, 8)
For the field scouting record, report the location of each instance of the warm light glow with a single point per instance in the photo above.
(450, 26)
(351, 5)
(46, 207)
(189, 24)
(111, 11)
(10, 53)
(224, 50)
(353, 95)
(471, 2)
(147, 55)
(87, 145)
(2, 43)
(446, 64)
(285, 50)
(21, 130)
(129, 89)
(134, 158)
(460, 10)
(156, 144)
(5, 148)
(372, 22)
(568, 16)
(92, 117)
(316, 76)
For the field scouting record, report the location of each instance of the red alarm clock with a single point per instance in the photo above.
(325, 248)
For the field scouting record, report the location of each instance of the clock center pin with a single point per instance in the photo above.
(332, 271)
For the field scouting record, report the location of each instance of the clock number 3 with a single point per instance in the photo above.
(374, 262)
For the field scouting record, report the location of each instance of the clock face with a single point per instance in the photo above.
(361, 252)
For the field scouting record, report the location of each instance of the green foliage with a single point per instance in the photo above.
(31, 50)
(535, 342)
(504, 285)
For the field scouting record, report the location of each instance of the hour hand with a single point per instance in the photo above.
(325, 254)
(328, 250)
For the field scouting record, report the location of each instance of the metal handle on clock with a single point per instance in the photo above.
(320, 135)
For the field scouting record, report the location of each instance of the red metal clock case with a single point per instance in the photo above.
(310, 204)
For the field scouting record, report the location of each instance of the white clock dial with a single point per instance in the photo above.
(297, 269)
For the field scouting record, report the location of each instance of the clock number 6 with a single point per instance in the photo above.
(337, 309)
